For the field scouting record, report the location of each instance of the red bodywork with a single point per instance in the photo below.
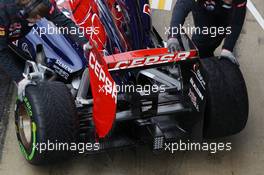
(104, 93)
(88, 19)
(102, 84)
(146, 57)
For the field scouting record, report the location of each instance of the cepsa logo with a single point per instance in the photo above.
(107, 84)
(150, 60)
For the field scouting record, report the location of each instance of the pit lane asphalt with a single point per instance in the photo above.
(6, 95)
(246, 157)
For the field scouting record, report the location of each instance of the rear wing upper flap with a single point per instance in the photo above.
(147, 57)
(152, 57)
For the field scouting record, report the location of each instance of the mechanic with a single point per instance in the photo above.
(17, 18)
(207, 14)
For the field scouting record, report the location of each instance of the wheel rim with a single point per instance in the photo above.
(25, 128)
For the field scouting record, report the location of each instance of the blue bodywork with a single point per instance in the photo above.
(62, 55)
(140, 24)
(67, 58)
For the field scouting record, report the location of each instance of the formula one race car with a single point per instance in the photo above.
(128, 91)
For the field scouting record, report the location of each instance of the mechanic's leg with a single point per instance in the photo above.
(206, 43)
(12, 64)
(207, 46)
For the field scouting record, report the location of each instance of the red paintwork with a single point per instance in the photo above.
(104, 109)
(86, 18)
(104, 93)
(147, 55)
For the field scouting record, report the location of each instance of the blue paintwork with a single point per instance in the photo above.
(60, 47)
(139, 25)
(56, 47)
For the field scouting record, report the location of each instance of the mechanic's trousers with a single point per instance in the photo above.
(12, 64)
(207, 44)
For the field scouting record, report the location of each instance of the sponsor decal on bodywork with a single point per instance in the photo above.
(144, 58)
(108, 84)
(63, 65)
(61, 72)
(193, 99)
(104, 108)
(197, 90)
(196, 71)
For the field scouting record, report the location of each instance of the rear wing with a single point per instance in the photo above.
(104, 87)
(153, 56)
(147, 58)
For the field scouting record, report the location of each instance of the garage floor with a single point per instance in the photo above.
(245, 158)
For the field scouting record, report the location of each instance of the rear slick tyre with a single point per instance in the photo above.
(47, 115)
(227, 99)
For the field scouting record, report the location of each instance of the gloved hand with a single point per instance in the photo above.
(229, 55)
(87, 47)
(173, 45)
